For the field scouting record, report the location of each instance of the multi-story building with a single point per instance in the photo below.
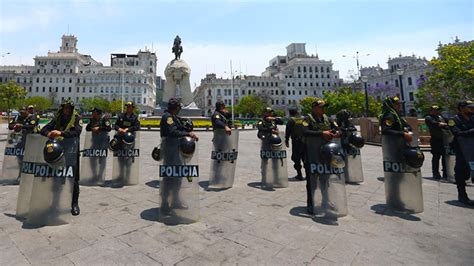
(402, 72)
(67, 74)
(285, 81)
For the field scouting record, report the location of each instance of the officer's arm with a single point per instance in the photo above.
(135, 125)
(288, 129)
(175, 132)
(74, 131)
(261, 126)
(118, 123)
(458, 131)
(217, 123)
(278, 121)
(48, 127)
(309, 131)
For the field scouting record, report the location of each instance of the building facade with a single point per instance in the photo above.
(286, 81)
(68, 74)
(403, 72)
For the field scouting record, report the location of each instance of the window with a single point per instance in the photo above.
(410, 81)
(276, 101)
(299, 92)
(44, 89)
(288, 84)
(44, 80)
(83, 89)
(37, 89)
(70, 89)
(294, 92)
(327, 70)
(78, 89)
(282, 92)
(305, 92)
(70, 80)
(299, 84)
(218, 92)
(250, 84)
(276, 92)
(396, 83)
(304, 69)
(37, 79)
(412, 98)
(299, 69)
(322, 69)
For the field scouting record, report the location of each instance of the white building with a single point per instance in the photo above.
(67, 74)
(386, 82)
(285, 81)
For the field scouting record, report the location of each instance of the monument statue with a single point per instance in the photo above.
(178, 84)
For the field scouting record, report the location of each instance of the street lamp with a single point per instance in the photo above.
(365, 79)
(356, 57)
(232, 89)
(402, 94)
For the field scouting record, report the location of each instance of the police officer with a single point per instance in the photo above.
(346, 127)
(126, 122)
(392, 122)
(294, 129)
(173, 126)
(318, 124)
(98, 122)
(17, 122)
(436, 123)
(462, 125)
(67, 124)
(31, 124)
(220, 118)
(268, 124)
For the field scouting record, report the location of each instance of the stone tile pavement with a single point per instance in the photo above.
(244, 225)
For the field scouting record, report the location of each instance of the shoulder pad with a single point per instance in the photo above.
(451, 123)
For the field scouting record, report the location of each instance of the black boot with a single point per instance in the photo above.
(299, 176)
(463, 198)
(75, 202)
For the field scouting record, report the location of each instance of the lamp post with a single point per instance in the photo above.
(365, 79)
(356, 57)
(232, 89)
(402, 94)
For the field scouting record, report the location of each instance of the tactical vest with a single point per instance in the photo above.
(325, 125)
(297, 130)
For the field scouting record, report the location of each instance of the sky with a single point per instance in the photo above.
(249, 33)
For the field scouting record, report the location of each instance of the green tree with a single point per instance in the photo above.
(116, 106)
(450, 80)
(41, 103)
(344, 98)
(251, 105)
(279, 112)
(88, 104)
(11, 96)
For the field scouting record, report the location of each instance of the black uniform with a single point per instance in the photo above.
(172, 126)
(103, 123)
(127, 121)
(436, 143)
(30, 124)
(265, 126)
(219, 120)
(60, 122)
(19, 119)
(294, 129)
(314, 126)
(465, 128)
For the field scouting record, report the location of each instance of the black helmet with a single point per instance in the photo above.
(53, 151)
(128, 138)
(356, 140)
(67, 102)
(275, 140)
(115, 144)
(343, 116)
(331, 153)
(226, 114)
(219, 105)
(187, 146)
(414, 157)
(156, 154)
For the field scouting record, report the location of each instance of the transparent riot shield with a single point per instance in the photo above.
(13, 156)
(179, 190)
(273, 164)
(403, 184)
(328, 189)
(353, 172)
(51, 195)
(467, 149)
(223, 159)
(126, 165)
(94, 158)
(33, 154)
(449, 154)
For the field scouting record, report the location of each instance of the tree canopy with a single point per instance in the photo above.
(11, 95)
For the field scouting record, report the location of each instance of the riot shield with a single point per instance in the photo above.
(273, 164)
(13, 156)
(223, 159)
(51, 195)
(467, 149)
(403, 184)
(126, 165)
(449, 154)
(353, 172)
(179, 190)
(328, 188)
(94, 158)
(33, 154)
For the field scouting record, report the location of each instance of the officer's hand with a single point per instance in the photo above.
(274, 131)
(17, 126)
(193, 136)
(287, 143)
(407, 136)
(228, 131)
(337, 134)
(269, 118)
(95, 129)
(327, 135)
(441, 124)
(121, 130)
(54, 133)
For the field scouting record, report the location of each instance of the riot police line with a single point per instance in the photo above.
(328, 147)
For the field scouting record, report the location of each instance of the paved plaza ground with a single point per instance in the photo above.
(245, 224)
